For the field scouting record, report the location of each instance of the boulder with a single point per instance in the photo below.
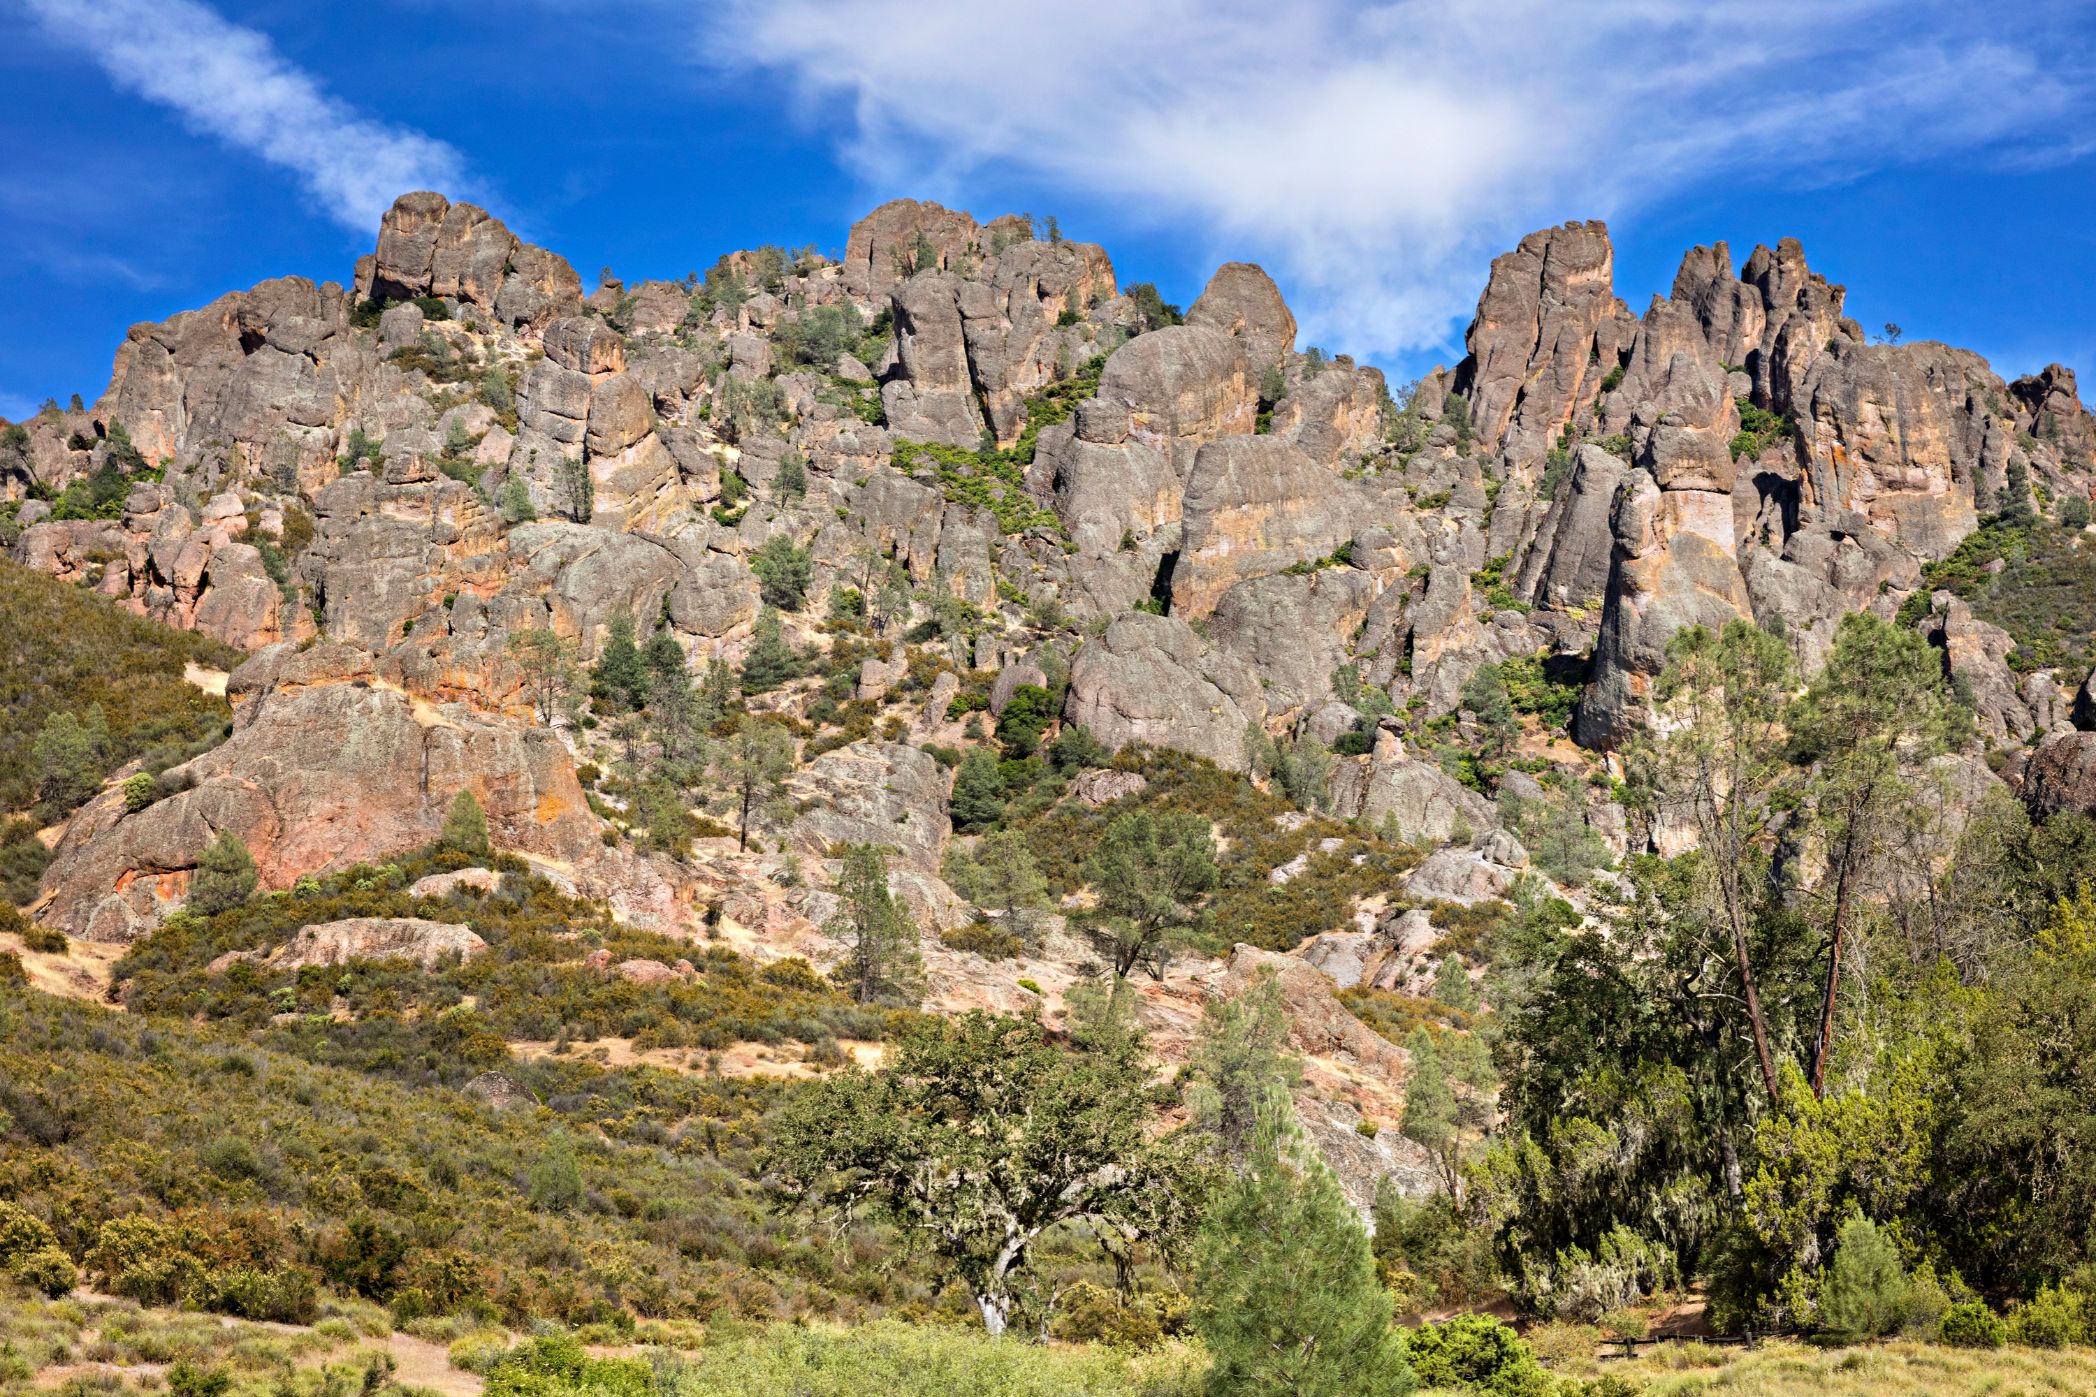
(1241, 300)
(2061, 775)
(1427, 805)
(1151, 679)
(881, 793)
(377, 938)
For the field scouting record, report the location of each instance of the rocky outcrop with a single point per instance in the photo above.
(429, 246)
(1254, 506)
(882, 793)
(1421, 802)
(1152, 679)
(1548, 328)
(1182, 386)
(377, 938)
(327, 766)
(2061, 775)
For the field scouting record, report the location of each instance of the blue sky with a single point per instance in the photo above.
(156, 153)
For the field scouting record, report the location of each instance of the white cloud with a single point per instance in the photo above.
(230, 82)
(1375, 155)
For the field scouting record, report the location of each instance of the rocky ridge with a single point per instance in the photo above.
(1196, 534)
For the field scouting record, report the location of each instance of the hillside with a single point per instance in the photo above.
(930, 787)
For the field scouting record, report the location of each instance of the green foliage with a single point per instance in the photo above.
(1760, 428)
(1544, 686)
(1491, 580)
(783, 572)
(555, 1183)
(1970, 1324)
(817, 337)
(987, 480)
(1476, 1353)
(47, 1271)
(2053, 1318)
(978, 792)
(792, 481)
(1286, 1294)
(882, 963)
(2043, 592)
(576, 489)
(66, 651)
(1240, 1065)
(770, 661)
(979, 1137)
(1147, 871)
(620, 676)
(1154, 311)
(1027, 714)
(466, 825)
(1865, 1292)
(225, 877)
(513, 501)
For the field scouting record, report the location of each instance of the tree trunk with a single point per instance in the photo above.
(996, 1313)
(1733, 913)
(1823, 1048)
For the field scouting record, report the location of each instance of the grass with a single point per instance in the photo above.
(1784, 1369)
(82, 1345)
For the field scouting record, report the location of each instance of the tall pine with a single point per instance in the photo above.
(1286, 1294)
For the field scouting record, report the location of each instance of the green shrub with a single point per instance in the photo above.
(2053, 1318)
(140, 790)
(1476, 1353)
(49, 940)
(985, 939)
(1092, 1314)
(1972, 1325)
(21, 1233)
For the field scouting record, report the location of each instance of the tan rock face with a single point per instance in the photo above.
(327, 767)
(1241, 300)
(1535, 344)
(377, 938)
(1183, 386)
(881, 249)
(1254, 506)
(1894, 433)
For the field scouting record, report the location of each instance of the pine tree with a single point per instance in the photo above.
(783, 573)
(882, 963)
(1286, 1294)
(753, 764)
(466, 825)
(1430, 1107)
(671, 703)
(225, 876)
(69, 755)
(792, 480)
(1240, 1065)
(978, 792)
(770, 661)
(1003, 877)
(621, 675)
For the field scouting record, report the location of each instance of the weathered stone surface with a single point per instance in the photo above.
(327, 767)
(1535, 343)
(1254, 506)
(881, 250)
(1183, 386)
(874, 793)
(1104, 786)
(2061, 775)
(585, 344)
(1152, 679)
(1106, 492)
(484, 880)
(1424, 803)
(934, 398)
(1242, 300)
(377, 938)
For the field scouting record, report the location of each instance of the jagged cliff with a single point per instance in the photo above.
(461, 446)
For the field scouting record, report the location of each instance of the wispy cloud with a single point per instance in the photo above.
(230, 82)
(1376, 154)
